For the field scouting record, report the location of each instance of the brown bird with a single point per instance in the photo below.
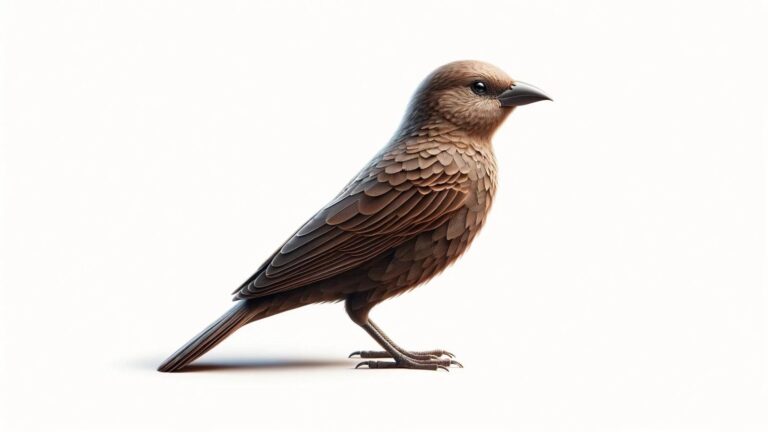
(409, 213)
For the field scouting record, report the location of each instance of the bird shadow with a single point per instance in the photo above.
(259, 364)
(262, 364)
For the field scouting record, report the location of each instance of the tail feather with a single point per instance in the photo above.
(242, 313)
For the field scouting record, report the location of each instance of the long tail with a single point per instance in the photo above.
(241, 314)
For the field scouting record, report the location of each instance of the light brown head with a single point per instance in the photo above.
(473, 95)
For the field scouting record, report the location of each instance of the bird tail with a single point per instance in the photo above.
(241, 314)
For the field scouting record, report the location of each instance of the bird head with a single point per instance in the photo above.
(472, 95)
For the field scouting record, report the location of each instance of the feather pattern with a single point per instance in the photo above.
(406, 216)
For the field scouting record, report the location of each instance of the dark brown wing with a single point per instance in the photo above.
(406, 191)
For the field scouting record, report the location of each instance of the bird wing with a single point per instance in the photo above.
(403, 192)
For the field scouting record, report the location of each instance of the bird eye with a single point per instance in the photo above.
(479, 88)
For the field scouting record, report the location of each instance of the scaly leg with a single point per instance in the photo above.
(430, 360)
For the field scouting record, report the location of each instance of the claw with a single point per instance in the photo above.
(443, 368)
(439, 358)
(436, 353)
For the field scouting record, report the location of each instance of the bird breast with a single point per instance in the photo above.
(433, 164)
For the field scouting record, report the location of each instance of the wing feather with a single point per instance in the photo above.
(397, 197)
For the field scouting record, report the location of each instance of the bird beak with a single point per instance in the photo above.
(521, 94)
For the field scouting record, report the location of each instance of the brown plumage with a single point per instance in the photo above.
(411, 212)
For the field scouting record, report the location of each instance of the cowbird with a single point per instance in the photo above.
(408, 214)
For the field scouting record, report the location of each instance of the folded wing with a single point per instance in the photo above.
(406, 191)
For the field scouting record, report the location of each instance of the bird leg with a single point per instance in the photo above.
(416, 355)
(357, 308)
(402, 359)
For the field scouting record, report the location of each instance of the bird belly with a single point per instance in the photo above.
(426, 255)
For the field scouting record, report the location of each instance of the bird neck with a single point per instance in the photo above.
(435, 126)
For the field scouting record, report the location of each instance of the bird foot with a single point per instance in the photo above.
(407, 363)
(430, 360)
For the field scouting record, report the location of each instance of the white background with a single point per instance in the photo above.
(154, 153)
